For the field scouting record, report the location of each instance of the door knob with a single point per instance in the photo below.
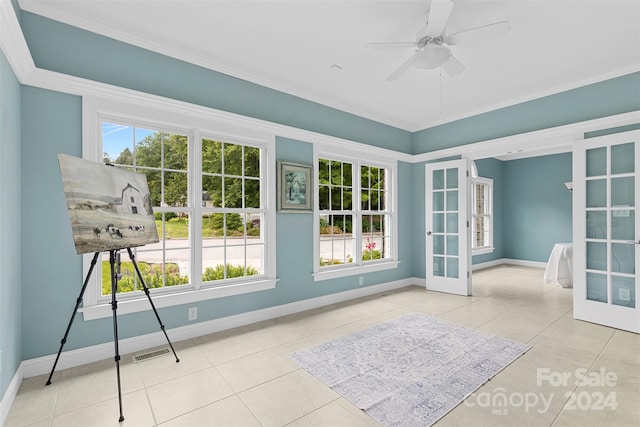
(428, 233)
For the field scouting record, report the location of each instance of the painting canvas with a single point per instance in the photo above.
(294, 187)
(109, 208)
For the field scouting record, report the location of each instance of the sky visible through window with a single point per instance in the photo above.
(116, 138)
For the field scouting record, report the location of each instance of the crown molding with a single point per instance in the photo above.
(13, 43)
(543, 142)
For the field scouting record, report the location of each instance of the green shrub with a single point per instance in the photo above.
(151, 273)
(167, 216)
(234, 221)
(330, 230)
(218, 273)
(371, 254)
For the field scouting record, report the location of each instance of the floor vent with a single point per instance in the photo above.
(141, 357)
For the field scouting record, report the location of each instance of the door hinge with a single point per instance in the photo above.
(467, 224)
(468, 275)
(467, 174)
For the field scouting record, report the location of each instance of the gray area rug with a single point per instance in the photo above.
(412, 370)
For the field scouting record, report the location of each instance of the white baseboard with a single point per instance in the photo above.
(525, 263)
(68, 359)
(10, 394)
(488, 264)
(509, 261)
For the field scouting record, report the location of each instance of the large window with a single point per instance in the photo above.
(209, 194)
(355, 219)
(481, 213)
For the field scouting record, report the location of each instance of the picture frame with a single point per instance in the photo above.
(294, 187)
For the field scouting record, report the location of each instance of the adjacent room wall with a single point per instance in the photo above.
(10, 222)
(536, 206)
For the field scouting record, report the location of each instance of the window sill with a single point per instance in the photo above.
(167, 300)
(352, 271)
(482, 251)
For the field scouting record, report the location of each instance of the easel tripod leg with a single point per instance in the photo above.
(114, 308)
(146, 291)
(73, 315)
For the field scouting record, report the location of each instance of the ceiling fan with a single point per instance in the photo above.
(432, 41)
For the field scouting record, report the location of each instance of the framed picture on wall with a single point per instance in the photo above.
(294, 187)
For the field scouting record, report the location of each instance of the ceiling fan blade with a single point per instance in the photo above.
(453, 67)
(485, 32)
(438, 16)
(401, 69)
(389, 45)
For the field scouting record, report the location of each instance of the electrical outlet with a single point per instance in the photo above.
(193, 313)
(624, 294)
(361, 281)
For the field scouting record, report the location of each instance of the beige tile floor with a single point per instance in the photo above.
(243, 377)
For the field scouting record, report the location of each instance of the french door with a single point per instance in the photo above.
(606, 230)
(448, 249)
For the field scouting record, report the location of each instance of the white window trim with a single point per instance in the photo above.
(485, 181)
(233, 129)
(356, 157)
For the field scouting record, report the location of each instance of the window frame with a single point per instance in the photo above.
(357, 158)
(488, 183)
(196, 126)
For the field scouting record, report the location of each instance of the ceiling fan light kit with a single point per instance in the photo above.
(429, 48)
(432, 56)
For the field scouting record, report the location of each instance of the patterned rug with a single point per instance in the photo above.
(412, 370)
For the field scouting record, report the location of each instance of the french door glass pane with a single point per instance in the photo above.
(623, 258)
(438, 179)
(452, 245)
(622, 158)
(596, 224)
(438, 266)
(597, 193)
(438, 223)
(623, 224)
(452, 178)
(452, 222)
(452, 200)
(622, 191)
(438, 201)
(597, 161)
(597, 287)
(438, 244)
(624, 291)
(452, 267)
(597, 256)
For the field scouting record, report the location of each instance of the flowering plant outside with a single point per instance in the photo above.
(370, 253)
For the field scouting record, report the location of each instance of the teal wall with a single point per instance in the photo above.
(69, 50)
(52, 124)
(537, 206)
(10, 220)
(606, 98)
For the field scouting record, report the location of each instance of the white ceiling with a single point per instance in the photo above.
(291, 45)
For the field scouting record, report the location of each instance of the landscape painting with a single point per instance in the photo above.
(294, 187)
(109, 207)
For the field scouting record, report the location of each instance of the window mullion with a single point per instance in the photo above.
(195, 200)
(357, 215)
